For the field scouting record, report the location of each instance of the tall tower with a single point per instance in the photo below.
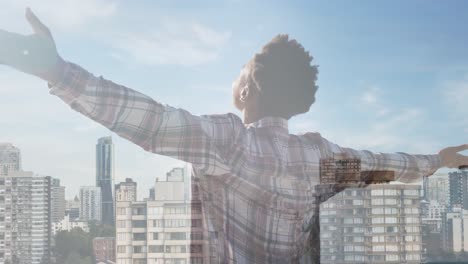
(25, 236)
(57, 196)
(90, 203)
(10, 158)
(105, 177)
(458, 188)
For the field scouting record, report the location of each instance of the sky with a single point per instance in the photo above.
(393, 76)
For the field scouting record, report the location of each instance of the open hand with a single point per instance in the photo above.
(452, 159)
(34, 54)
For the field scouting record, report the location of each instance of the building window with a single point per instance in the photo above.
(196, 249)
(176, 249)
(175, 210)
(158, 223)
(411, 192)
(139, 211)
(196, 260)
(121, 224)
(139, 236)
(175, 236)
(121, 236)
(121, 211)
(139, 249)
(139, 223)
(196, 223)
(121, 249)
(196, 236)
(156, 248)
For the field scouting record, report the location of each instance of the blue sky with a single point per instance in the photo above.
(393, 75)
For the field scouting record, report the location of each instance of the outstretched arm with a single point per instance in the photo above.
(200, 140)
(407, 167)
(158, 128)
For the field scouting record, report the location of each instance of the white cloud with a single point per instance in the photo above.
(456, 95)
(64, 14)
(172, 42)
(370, 96)
(372, 100)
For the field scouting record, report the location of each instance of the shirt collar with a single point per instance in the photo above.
(270, 121)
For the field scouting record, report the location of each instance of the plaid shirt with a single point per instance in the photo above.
(256, 181)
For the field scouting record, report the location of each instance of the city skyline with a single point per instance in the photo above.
(426, 213)
(407, 98)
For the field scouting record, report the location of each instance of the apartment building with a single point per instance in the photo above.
(26, 218)
(377, 224)
(90, 203)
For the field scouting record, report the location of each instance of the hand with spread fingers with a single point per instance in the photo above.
(450, 157)
(34, 54)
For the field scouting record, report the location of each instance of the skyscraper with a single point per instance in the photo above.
(57, 196)
(26, 218)
(105, 177)
(90, 203)
(458, 188)
(436, 188)
(10, 158)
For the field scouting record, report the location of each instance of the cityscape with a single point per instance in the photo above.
(358, 222)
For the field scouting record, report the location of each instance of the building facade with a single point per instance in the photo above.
(10, 158)
(377, 224)
(105, 177)
(458, 189)
(104, 249)
(166, 230)
(455, 231)
(26, 218)
(126, 191)
(436, 188)
(90, 203)
(58, 202)
(72, 208)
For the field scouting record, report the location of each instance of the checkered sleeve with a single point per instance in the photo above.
(408, 168)
(162, 129)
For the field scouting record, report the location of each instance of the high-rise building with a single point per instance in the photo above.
(10, 158)
(455, 231)
(377, 224)
(165, 230)
(26, 221)
(57, 195)
(72, 208)
(436, 188)
(90, 203)
(126, 191)
(458, 188)
(431, 228)
(105, 177)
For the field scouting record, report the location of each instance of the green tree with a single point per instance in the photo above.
(73, 246)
